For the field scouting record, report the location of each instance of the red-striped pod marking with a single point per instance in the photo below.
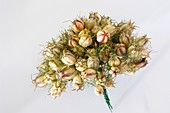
(103, 36)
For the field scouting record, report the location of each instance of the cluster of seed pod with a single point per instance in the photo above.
(94, 51)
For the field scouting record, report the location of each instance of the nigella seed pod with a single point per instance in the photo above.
(94, 16)
(50, 77)
(84, 31)
(81, 64)
(142, 40)
(68, 58)
(77, 25)
(111, 29)
(58, 48)
(42, 68)
(48, 55)
(91, 52)
(103, 36)
(73, 41)
(120, 49)
(98, 90)
(76, 87)
(131, 51)
(114, 71)
(53, 65)
(71, 32)
(142, 63)
(115, 61)
(104, 53)
(89, 74)
(137, 52)
(127, 67)
(67, 73)
(40, 81)
(90, 23)
(77, 79)
(105, 21)
(57, 88)
(93, 62)
(78, 50)
(144, 53)
(77, 83)
(127, 27)
(108, 83)
(123, 67)
(125, 39)
(85, 40)
(95, 29)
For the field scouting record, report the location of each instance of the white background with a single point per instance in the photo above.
(25, 25)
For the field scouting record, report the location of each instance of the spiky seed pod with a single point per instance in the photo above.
(40, 81)
(126, 27)
(104, 54)
(95, 29)
(137, 52)
(71, 32)
(111, 29)
(89, 74)
(124, 67)
(78, 50)
(125, 39)
(120, 49)
(114, 71)
(77, 82)
(58, 63)
(89, 23)
(103, 78)
(73, 41)
(98, 90)
(57, 88)
(103, 36)
(115, 61)
(83, 32)
(68, 58)
(105, 21)
(81, 64)
(93, 62)
(63, 38)
(95, 16)
(127, 68)
(43, 67)
(48, 55)
(76, 87)
(58, 49)
(108, 83)
(67, 73)
(85, 40)
(91, 52)
(77, 25)
(49, 78)
(142, 40)
(55, 48)
(131, 51)
(53, 65)
(140, 64)
(77, 79)
(144, 53)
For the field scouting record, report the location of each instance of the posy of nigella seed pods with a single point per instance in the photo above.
(93, 50)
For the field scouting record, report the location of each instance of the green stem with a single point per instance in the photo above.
(107, 100)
